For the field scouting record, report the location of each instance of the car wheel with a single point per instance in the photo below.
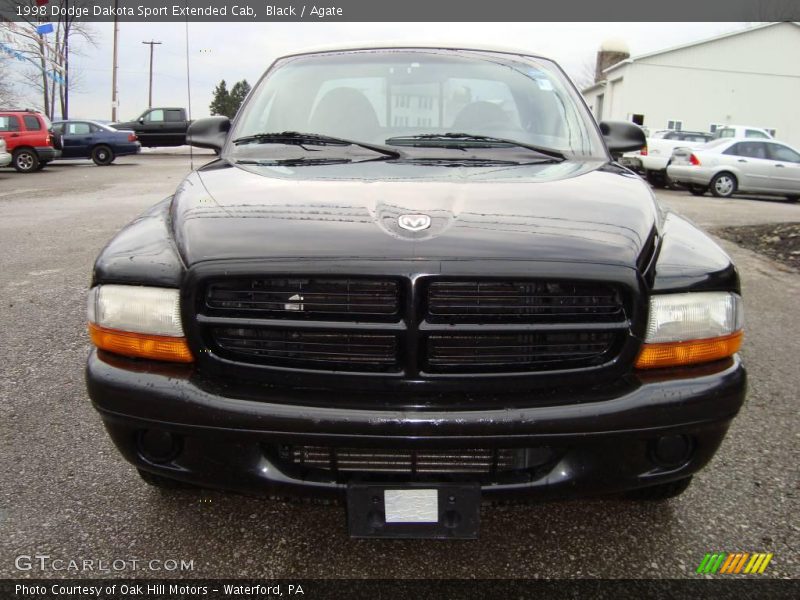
(26, 161)
(697, 190)
(662, 491)
(102, 155)
(164, 483)
(793, 198)
(723, 185)
(656, 179)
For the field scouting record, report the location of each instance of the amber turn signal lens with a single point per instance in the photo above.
(141, 345)
(677, 354)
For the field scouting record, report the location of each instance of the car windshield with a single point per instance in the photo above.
(445, 99)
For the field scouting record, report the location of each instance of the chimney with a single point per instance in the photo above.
(610, 53)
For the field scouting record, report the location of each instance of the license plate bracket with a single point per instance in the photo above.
(380, 511)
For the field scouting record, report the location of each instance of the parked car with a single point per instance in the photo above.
(5, 157)
(29, 139)
(729, 165)
(163, 126)
(89, 139)
(742, 131)
(655, 156)
(415, 278)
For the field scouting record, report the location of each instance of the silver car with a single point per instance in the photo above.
(5, 157)
(727, 166)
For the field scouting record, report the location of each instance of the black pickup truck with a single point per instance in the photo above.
(162, 126)
(416, 279)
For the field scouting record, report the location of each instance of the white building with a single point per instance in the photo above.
(749, 77)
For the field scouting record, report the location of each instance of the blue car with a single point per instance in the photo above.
(90, 139)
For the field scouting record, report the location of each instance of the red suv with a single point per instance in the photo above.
(29, 138)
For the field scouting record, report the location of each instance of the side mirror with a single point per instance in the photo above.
(622, 136)
(209, 133)
(141, 120)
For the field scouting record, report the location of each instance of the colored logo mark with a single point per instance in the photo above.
(734, 563)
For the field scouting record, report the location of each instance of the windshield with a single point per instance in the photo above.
(388, 96)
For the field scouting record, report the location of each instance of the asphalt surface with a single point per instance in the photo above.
(65, 492)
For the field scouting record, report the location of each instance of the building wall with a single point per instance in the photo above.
(747, 79)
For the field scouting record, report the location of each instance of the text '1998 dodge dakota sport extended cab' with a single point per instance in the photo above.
(416, 279)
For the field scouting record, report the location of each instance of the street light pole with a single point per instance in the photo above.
(151, 43)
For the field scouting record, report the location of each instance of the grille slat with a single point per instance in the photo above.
(331, 350)
(507, 352)
(304, 298)
(531, 301)
(470, 326)
(480, 460)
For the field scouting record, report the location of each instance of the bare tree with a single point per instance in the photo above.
(8, 95)
(48, 56)
(584, 74)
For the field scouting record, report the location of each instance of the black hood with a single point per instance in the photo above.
(569, 211)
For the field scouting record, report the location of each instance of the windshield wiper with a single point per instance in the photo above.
(462, 140)
(295, 138)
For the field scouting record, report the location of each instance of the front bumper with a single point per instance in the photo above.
(596, 447)
(5, 159)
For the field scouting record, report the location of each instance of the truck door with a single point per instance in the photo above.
(175, 127)
(152, 127)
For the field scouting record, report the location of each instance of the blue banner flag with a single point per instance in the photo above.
(46, 28)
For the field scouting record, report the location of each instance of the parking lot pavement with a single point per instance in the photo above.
(65, 492)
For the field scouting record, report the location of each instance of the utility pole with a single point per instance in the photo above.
(114, 99)
(151, 43)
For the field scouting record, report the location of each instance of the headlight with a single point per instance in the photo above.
(691, 328)
(138, 321)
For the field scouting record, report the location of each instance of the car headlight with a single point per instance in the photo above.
(137, 321)
(691, 328)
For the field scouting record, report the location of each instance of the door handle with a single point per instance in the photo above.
(14, 135)
(781, 166)
(742, 160)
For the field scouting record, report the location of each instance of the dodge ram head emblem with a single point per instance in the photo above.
(414, 222)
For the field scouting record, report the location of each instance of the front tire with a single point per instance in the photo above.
(697, 190)
(102, 155)
(25, 161)
(723, 185)
(662, 491)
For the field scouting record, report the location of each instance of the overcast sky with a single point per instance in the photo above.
(234, 51)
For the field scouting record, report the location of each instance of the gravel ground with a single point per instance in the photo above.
(65, 492)
(781, 242)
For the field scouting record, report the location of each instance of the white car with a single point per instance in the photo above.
(655, 156)
(5, 157)
(729, 165)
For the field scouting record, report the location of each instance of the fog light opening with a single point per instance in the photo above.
(671, 451)
(158, 446)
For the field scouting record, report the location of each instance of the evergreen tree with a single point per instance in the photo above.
(239, 92)
(221, 102)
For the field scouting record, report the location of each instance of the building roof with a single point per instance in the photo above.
(697, 43)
